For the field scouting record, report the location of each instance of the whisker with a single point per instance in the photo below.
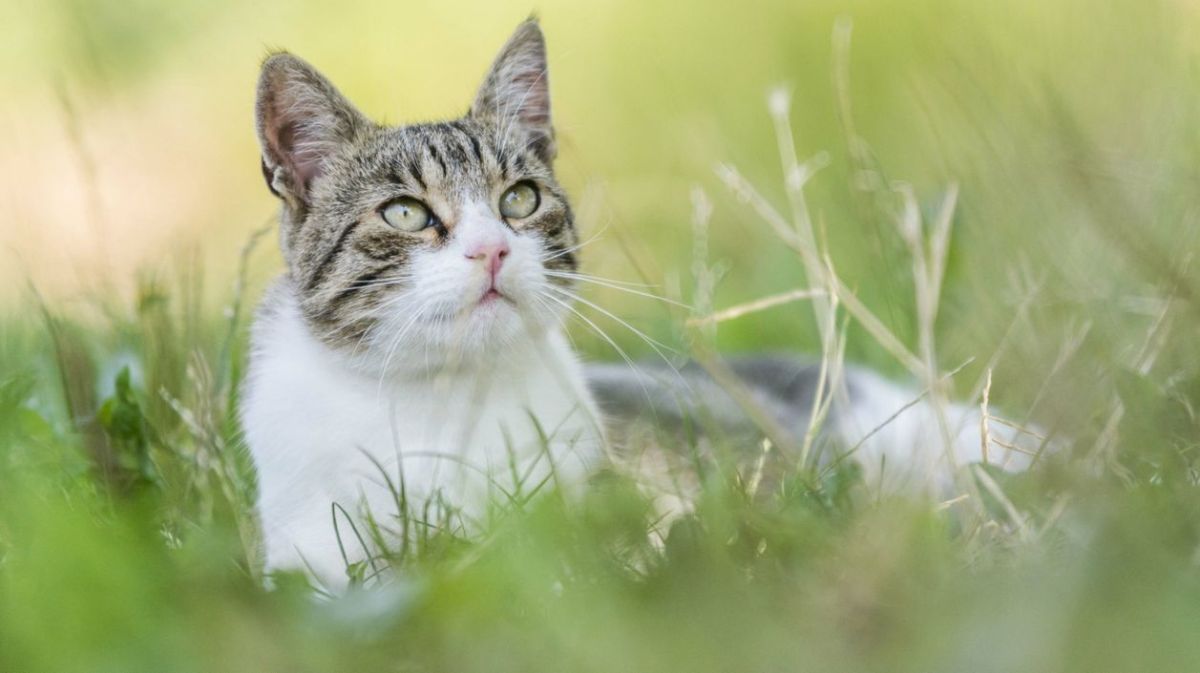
(603, 335)
(573, 248)
(386, 304)
(396, 341)
(547, 311)
(653, 343)
(633, 368)
(577, 274)
(376, 282)
(612, 285)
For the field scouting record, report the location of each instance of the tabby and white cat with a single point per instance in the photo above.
(417, 332)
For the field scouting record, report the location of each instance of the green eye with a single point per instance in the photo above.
(407, 214)
(519, 201)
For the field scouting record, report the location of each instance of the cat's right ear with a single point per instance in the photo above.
(515, 94)
(303, 121)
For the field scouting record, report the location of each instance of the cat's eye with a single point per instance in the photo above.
(407, 214)
(519, 201)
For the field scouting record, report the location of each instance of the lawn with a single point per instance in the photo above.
(989, 201)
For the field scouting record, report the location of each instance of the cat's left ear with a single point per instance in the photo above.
(303, 122)
(515, 95)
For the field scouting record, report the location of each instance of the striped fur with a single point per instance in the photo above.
(436, 355)
(333, 170)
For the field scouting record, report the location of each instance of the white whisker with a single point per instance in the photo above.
(604, 283)
(379, 282)
(369, 332)
(653, 343)
(574, 248)
(417, 314)
(584, 276)
(604, 335)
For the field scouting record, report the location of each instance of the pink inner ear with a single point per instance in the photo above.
(533, 96)
(304, 157)
(516, 91)
(300, 151)
(303, 122)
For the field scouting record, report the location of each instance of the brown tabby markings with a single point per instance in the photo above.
(333, 168)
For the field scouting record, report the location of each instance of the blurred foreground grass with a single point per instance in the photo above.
(126, 540)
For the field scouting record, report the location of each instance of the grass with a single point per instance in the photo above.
(1049, 280)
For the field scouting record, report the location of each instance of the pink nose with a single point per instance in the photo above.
(491, 254)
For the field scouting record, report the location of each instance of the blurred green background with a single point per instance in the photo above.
(129, 142)
(130, 185)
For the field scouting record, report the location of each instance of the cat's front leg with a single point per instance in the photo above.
(306, 541)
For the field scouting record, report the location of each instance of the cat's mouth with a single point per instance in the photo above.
(492, 296)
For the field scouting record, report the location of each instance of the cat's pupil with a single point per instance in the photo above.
(519, 201)
(407, 215)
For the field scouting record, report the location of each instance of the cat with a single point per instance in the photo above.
(415, 342)
(417, 329)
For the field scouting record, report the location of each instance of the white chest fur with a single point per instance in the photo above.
(322, 434)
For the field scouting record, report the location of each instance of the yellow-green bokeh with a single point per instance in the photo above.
(127, 129)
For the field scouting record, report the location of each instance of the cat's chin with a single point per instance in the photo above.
(491, 307)
(494, 323)
(489, 332)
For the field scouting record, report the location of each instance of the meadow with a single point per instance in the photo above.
(995, 202)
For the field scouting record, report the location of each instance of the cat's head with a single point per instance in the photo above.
(438, 241)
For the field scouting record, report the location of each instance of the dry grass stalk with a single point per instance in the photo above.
(990, 485)
(928, 255)
(824, 275)
(747, 308)
(1021, 315)
(984, 435)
